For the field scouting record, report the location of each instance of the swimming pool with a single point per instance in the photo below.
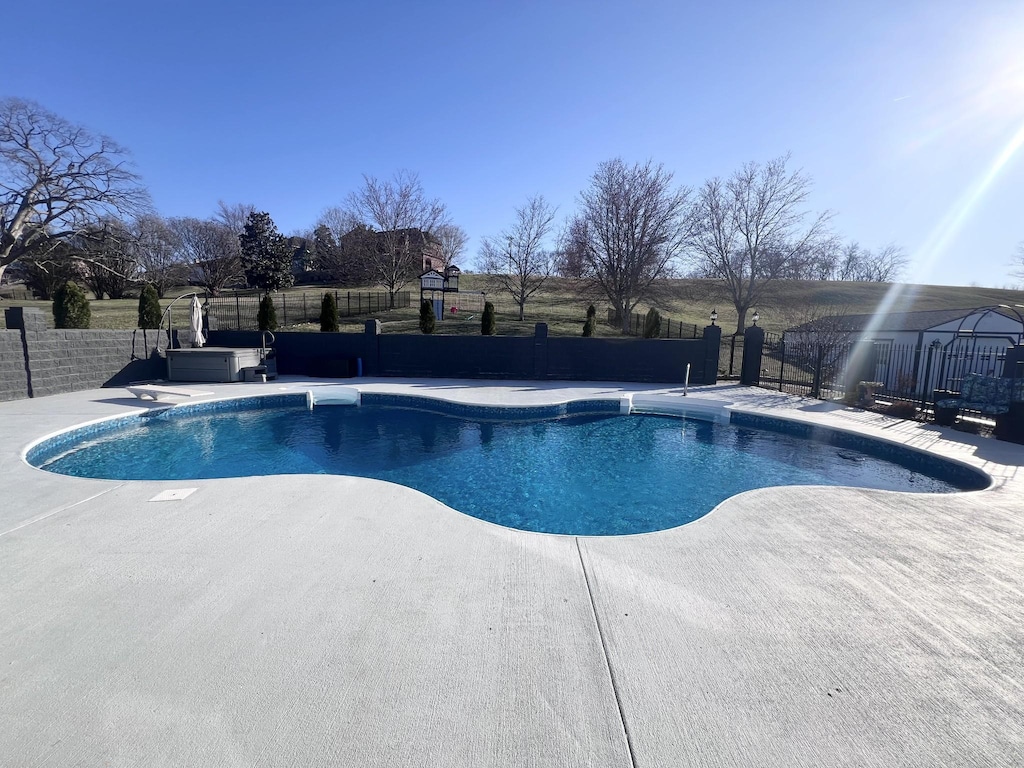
(578, 468)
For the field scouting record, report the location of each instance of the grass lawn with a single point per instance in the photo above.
(563, 308)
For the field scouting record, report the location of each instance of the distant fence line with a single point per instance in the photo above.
(239, 313)
(670, 329)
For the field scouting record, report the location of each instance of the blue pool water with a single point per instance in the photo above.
(585, 474)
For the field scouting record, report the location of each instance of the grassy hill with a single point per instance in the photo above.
(563, 307)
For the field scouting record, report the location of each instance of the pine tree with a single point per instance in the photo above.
(70, 307)
(149, 307)
(329, 314)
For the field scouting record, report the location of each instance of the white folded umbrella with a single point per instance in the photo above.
(196, 323)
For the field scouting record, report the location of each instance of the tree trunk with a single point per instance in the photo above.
(741, 320)
(624, 318)
(522, 310)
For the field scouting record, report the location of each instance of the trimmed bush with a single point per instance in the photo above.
(652, 324)
(267, 316)
(488, 321)
(70, 307)
(427, 319)
(329, 314)
(588, 326)
(149, 307)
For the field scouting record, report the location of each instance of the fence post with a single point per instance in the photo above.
(782, 362)
(305, 311)
(753, 348)
(1012, 362)
(284, 310)
(238, 313)
(712, 352)
(925, 387)
(819, 363)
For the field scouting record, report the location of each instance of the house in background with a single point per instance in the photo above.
(917, 351)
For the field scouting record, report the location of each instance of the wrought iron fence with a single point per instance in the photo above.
(670, 329)
(240, 313)
(898, 372)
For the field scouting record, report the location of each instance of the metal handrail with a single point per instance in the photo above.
(167, 314)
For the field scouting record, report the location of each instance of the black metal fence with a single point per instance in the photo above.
(731, 356)
(899, 372)
(670, 329)
(239, 313)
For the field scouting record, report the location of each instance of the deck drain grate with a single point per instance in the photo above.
(174, 494)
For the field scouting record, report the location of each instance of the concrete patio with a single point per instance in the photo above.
(320, 620)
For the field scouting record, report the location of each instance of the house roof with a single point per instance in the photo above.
(897, 321)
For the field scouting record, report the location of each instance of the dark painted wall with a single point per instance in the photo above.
(332, 355)
(489, 357)
(648, 360)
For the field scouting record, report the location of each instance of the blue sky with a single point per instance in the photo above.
(908, 115)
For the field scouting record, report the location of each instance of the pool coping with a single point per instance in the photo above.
(637, 643)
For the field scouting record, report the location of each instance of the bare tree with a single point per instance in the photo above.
(107, 255)
(818, 340)
(159, 254)
(45, 272)
(56, 179)
(342, 245)
(516, 261)
(750, 230)
(453, 240)
(211, 250)
(882, 266)
(1018, 261)
(403, 218)
(630, 228)
(234, 216)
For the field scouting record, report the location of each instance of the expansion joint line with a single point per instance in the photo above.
(607, 657)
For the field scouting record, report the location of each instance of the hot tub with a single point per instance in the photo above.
(210, 363)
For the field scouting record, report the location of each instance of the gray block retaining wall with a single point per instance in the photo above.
(36, 361)
(13, 382)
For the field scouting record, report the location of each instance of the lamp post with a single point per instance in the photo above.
(756, 317)
(714, 316)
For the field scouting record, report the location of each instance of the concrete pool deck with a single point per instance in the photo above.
(319, 620)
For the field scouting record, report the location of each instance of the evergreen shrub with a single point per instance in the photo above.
(267, 316)
(427, 319)
(149, 307)
(70, 307)
(329, 314)
(652, 324)
(488, 321)
(588, 326)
